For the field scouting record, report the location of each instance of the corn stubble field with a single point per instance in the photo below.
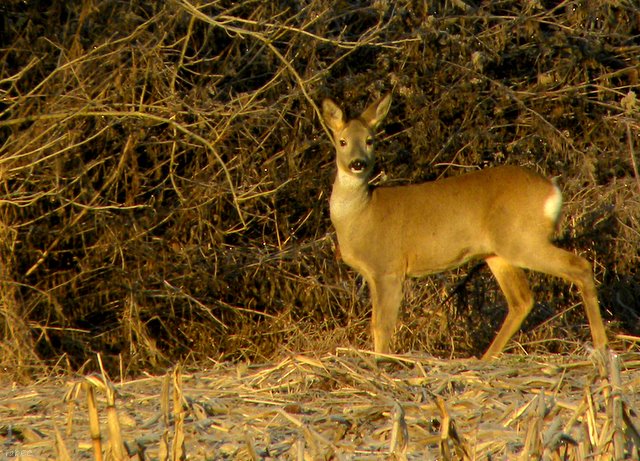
(166, 255)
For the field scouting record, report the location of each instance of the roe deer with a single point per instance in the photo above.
(504, 215)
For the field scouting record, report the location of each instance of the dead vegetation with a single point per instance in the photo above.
(164, 172)
(339, 407)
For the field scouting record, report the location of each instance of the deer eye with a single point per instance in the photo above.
(369, 142)
(342, 142)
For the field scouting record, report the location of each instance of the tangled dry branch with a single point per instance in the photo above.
(164, 172)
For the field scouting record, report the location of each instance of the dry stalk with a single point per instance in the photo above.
(61, 448)
(450, 438)
(616, 408)
(533, 443)
(116, 445)
(94, 422)
(177, 445)
(165, 407)
(251, 446)
(633, 159)
(163, 449)
(399, 433)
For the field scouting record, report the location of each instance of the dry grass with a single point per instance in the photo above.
(164, 173)
(339, 407)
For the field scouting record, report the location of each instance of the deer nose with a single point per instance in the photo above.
(358, 165)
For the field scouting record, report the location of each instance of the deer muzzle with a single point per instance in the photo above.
(358, 165)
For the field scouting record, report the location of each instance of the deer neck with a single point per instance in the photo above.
(350, 197)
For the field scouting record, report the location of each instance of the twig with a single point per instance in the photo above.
(632, 155)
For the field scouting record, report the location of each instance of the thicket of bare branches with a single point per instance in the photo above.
(165, 174)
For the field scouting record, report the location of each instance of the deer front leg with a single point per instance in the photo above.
(386, 297)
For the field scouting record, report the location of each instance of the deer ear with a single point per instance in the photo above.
(378, 110)
(333, 115)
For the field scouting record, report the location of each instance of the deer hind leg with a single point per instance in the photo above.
(552, 260)
(513, 283)
(386, 297)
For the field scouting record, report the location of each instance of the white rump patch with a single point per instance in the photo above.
(553, 204)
